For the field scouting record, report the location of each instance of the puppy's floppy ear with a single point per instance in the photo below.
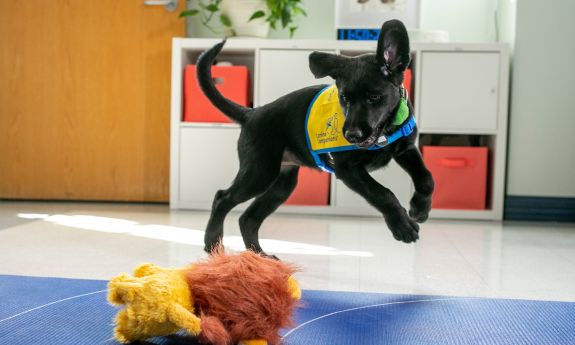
(326, 64)
(393, 47)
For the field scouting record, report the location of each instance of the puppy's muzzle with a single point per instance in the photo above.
(362, 138)
(354, 135)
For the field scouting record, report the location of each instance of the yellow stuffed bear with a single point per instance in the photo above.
(242, 298)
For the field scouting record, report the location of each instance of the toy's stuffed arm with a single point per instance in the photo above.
(185, 319)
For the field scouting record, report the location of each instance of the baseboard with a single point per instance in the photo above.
(539, 209)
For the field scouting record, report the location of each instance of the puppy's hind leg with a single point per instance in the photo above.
(266, 204)
(254, 178)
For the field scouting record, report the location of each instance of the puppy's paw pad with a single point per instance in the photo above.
(419, 216)
(404, 229)
(419, 208)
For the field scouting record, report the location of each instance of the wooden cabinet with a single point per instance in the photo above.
(459, 89)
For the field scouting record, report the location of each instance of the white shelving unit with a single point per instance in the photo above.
(204, 157)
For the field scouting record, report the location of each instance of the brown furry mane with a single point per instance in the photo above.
(248, 293)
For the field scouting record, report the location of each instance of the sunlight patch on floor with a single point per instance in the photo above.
(182, 235)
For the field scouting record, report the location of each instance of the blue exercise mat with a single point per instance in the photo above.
(44, 311)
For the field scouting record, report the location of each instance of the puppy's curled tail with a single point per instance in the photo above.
(233, 110)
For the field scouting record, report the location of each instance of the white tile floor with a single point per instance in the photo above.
(489, 259)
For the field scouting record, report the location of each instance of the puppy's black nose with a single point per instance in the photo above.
(354, 135)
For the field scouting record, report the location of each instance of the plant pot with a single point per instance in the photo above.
(239, 12)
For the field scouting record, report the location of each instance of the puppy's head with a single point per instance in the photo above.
(368, 85)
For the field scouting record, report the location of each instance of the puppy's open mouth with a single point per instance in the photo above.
(372, 139)
(366, 144)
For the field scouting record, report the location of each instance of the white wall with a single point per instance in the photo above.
(319, 23)
(465, 20)
(542, 126)
(506, 17)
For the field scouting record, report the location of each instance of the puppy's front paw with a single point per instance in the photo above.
(404, 229)
(419, 207)
(211, 247)
(269, 256)
(258, 250)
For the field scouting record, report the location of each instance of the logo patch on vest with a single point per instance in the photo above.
(325, 121)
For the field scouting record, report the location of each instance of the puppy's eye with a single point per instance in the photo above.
(374, 99)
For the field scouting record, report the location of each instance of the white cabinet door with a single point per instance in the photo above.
(208, 162)
(393, 177)
(459, 91)
(283, 71)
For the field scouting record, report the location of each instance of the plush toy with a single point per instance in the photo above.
(223, 300)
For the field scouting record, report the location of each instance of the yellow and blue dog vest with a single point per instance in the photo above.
(324, 126)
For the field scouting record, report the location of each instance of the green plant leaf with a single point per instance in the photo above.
(278, 11)
(213, 8)
(299, 10)
(188, 13)
(225, 20)
(257, 15)
(286, 17)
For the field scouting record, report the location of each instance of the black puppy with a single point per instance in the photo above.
(273, 142)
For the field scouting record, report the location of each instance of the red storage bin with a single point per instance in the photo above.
(231, 81)
(460, 175)
(407, 83)
(312, 188)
